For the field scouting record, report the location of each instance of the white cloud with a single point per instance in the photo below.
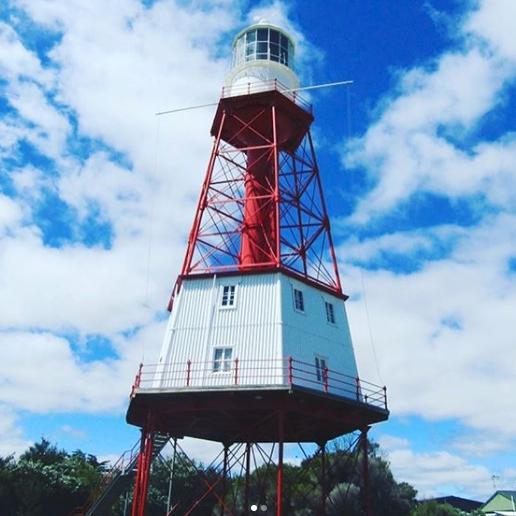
(13, 440)
(441, 473)
(480, 444)
(33, 107)
(40, 372)
(10, 214)
(16, 62)
(73, 432)
(411, 146)
(440, 333)
(392, 442)
(493, 23)
(408, 243)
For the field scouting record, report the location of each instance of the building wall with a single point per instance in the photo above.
(308, 334)
(263, 329)
(198, 324)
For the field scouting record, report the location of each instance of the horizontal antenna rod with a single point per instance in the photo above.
(326, 85)
(304, 88)
(185, 108)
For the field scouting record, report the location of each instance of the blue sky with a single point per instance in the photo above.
(97, 195)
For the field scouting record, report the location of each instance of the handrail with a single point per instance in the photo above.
(251, 373)
(262, 86)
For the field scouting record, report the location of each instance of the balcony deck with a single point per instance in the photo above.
(241, 405)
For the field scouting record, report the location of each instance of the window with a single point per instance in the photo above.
(320, 368)
(263, 44)
(330, 312)
(275, 53)
(228, 296)
(263, 34)
(299, 302)
(222, 360)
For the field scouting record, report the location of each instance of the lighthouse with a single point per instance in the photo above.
(257, 347)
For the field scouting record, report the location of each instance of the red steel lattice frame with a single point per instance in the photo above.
(261, 205)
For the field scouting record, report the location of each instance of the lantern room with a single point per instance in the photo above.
(262, 53)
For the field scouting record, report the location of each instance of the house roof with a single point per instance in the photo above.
(504, 496)
(464, 504)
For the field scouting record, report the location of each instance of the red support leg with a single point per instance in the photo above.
(279, 479)
(366, 502)
(141, 485)
(247, 477)
(324, 484)
(224, 477)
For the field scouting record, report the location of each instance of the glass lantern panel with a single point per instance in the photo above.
(274, 36)
(250, 51)
(262, 47)
(263, 34)
(284, 57)
(275, 52)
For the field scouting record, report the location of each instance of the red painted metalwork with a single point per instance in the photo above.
(247, 477)
(267, 372)
(236, 371)
(279, 479)
(261, 205)
(224, 479)
(188, 372)
(136, 383)
(324, 482)
(366, 502)
(141, 484)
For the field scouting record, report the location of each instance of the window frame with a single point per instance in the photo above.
(321, 364)
(330, 313)
(301, 307)
(224, 363)
(231, 297)
(264, 44)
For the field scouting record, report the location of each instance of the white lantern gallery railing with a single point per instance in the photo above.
(262, 86)
(256, 374)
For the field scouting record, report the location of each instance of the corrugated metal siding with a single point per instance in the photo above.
(308, 334)
(262, 329)
(251, 328)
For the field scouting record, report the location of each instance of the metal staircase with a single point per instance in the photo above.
(118, 480)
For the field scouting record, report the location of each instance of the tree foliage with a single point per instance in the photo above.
(435, 509)
(46, 480)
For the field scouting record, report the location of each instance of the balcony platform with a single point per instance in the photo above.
(249, 413)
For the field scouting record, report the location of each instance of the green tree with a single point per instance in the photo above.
(46, 480)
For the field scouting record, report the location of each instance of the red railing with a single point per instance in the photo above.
(272, 85)
(247, 374)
